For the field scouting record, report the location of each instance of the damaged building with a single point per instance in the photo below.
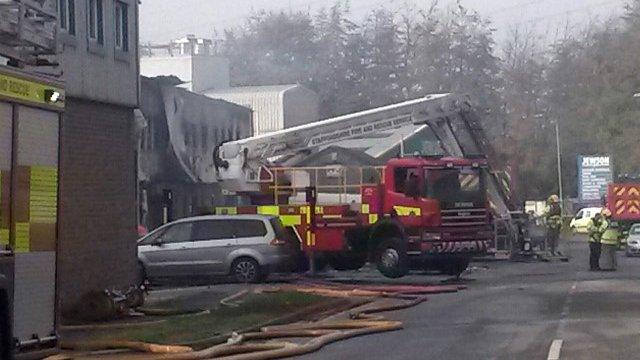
(180, 132)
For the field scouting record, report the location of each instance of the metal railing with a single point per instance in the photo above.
(344, 183)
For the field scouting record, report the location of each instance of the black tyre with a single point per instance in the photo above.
(348, 261)
(246, 270)
(392, 259)
(455, 267)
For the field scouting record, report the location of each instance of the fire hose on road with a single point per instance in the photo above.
(274, 342)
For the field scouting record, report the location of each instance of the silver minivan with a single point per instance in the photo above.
(248, 247)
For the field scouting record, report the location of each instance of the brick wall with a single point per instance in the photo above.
(97, 222)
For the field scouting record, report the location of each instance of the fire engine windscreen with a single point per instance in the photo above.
(455, 187)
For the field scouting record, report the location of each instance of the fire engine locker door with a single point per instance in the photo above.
(6, 140)
(6, 262)
(34, 218)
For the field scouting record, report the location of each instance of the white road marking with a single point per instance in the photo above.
(554, 350)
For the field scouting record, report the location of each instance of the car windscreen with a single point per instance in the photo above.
(635, 230)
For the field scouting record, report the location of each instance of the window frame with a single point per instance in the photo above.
(68, 17)
(95, 22)
(121, 26)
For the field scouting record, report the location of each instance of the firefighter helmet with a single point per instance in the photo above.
(553, 199)
(606, 212)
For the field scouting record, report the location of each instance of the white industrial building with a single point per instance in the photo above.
(193, 61)
(274, 107)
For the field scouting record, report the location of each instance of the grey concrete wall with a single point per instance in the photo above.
(301, 106)
(101, 73)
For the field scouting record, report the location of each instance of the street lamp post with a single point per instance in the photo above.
(559, 169)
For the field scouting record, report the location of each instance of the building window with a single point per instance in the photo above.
(122, 26)
(67, 16)
(96, 21)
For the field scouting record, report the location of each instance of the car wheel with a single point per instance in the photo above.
(246, 270)
(392, 258)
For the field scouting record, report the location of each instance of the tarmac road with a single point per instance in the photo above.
(517, 311)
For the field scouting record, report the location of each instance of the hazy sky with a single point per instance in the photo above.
(163, 20)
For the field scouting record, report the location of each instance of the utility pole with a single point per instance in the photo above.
(559, 169)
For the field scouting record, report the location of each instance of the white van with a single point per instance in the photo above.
(581, 220)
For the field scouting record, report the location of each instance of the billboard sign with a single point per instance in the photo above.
(594, 173)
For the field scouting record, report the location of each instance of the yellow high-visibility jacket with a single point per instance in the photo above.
(610, 234)
(594, 231)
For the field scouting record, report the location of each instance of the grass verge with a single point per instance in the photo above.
(254, 309)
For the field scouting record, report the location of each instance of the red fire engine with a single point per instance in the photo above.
(419, 212)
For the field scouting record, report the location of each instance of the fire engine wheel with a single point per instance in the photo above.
(392, 258)
(246, 270)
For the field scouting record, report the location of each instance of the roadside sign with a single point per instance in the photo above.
(594, 174)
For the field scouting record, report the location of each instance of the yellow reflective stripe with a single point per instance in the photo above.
(4, 236)
(269, 210)
(364, 208)
(226, 210)
(373, 218)
(407, 210)
(291, 220)
(22, 237)
(319, 210)
(31, 91)
(306, 210)
(43, 195)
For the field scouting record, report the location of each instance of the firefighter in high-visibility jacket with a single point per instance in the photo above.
(553, 220)
(593, 227)
(609, 240)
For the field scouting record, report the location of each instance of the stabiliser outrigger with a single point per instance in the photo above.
(434, 212)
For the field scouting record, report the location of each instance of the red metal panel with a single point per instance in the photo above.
(328, 239)
(243, 210)
(623, 199)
